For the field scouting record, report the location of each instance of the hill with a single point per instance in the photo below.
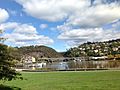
(34, 51)
(39, 51)
(111, 47)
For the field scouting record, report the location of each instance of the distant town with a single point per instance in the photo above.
(111, 49)
(88, 55)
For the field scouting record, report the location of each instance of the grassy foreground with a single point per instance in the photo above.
(108, 80)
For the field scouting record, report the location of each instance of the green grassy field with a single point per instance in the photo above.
(108, 80)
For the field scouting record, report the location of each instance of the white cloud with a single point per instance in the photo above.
(83, 21)
(25, 29)
(8, 25)
(3, 15)
(77, 12)
(95, 16)
(52, 10)
(43, 26)
(79, 36)
(25, 40)
(88, 25)
(23, 35)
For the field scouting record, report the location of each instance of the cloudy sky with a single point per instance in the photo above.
(59, 24)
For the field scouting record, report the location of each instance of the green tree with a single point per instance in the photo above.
(7, 71)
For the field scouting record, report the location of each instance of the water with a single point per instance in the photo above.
(58, 65)
(74, 64)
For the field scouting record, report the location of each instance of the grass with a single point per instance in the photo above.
(106, 80)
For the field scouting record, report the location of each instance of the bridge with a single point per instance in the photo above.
(61, 59)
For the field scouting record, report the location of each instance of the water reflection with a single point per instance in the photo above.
(72, 65)
(77, 65)
(58, 65)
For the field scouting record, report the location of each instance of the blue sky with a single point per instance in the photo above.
(59, 24)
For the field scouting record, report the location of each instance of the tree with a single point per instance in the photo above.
(7, 71)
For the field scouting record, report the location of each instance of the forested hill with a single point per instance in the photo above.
(38, 51)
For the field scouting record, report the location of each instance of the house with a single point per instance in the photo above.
(99, 58)
(28, 59)
(40, 65)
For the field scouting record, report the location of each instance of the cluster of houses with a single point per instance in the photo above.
(30, 62)
(98, 48)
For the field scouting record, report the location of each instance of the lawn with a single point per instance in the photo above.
(105, 80)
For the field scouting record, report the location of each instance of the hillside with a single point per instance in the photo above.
(34, 51)
(39, 51)
(106, 48)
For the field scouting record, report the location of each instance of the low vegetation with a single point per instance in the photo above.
(101, 80)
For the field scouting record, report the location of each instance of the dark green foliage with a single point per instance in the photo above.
(4, 87)
(7, 71)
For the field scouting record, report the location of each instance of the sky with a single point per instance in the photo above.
(59, 24)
